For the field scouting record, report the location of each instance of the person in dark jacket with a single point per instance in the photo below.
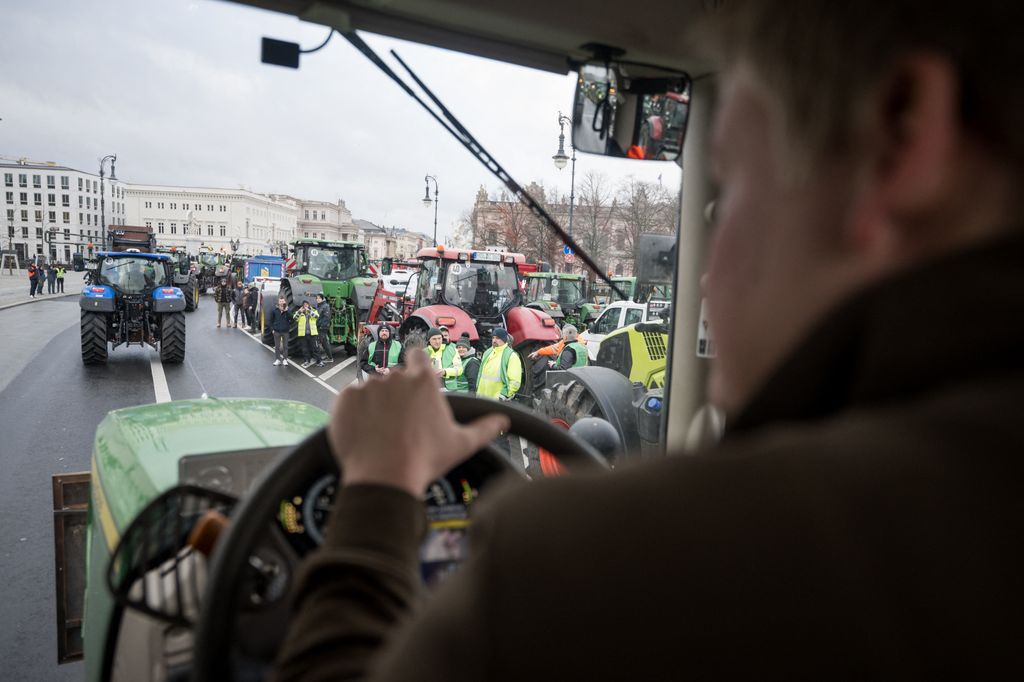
(237, 304)
(384, 354)
(223, 295)
(470, 363)
(280, 325)
(861, 516)
(51, 280)
(323, 309)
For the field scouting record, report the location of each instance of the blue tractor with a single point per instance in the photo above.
(130, 299)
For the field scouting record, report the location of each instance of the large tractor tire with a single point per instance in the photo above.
(172, 338)
(604, 393)
(266, 333)
(94, 338)
(191, 293)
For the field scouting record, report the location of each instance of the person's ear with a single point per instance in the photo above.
(912, 135)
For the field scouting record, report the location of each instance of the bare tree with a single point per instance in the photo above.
(462, 235)
(644, 208)
(592, 217)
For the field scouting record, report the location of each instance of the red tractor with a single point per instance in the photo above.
(472, 292)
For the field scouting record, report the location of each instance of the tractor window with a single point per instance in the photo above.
(608, 322)
(567, 292)
(427, 285)
(333, 264)
(484, 289)
(130, 275)
(633, 316)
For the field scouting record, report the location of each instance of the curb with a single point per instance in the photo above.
(37, 300)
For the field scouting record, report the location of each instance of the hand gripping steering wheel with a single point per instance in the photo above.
(310, 459)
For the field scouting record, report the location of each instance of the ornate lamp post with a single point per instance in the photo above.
(560, 160)
(103, 197)
(427, 200)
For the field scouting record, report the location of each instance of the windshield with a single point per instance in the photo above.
(332, 264)
(566, 292)
(130, 275)
(208, 258)
(484, 289)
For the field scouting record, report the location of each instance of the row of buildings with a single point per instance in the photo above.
(55, 211)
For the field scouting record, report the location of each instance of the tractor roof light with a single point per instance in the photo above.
(510, 259)
(440, 248)
(446, 321)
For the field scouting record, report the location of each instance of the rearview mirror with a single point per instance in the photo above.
(386, 266)
(630, 111)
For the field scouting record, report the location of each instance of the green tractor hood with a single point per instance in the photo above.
(137, 449)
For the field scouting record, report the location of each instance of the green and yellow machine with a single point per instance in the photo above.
(139, 453)
(338, 270)
(184, 278)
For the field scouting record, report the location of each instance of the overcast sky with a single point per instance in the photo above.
(176, 89)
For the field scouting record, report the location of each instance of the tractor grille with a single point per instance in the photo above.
(655, 345)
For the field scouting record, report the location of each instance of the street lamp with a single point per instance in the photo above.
(427, 200)
(561, 159)
(103, 197)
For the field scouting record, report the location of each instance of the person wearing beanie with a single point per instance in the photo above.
(445, 360)
(501, 370)
(470, 365)
(568, 352)
(383, 354)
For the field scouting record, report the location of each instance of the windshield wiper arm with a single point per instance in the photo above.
(467, 140)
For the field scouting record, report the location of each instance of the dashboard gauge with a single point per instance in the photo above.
(317, 507)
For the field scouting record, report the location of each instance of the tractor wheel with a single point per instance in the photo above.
(563, 406)
(94, 338)
(172, 338)
(191, 299)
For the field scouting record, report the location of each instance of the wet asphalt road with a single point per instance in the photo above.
(50, 405)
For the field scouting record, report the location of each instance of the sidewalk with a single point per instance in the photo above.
(14, 290)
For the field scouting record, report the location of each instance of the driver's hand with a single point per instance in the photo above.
(400, 431)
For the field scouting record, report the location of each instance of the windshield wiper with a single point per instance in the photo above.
(467, 140)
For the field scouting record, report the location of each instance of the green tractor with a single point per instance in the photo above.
(561, 295)
(338, 270)
(210, 269)
(184, 278)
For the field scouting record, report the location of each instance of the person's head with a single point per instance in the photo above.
(282, 303)
(499, 337)
(224, 282)
(305, 305)
(852, 141)
(384, 332)
(434, 338)
(445, 334)
(320, 298)
(463, 347)
(569, 333)
(239, 284)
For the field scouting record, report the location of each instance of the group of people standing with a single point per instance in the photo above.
(312, 327)
(50, 275)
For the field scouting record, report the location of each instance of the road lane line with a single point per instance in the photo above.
(163, 394)
(337, 368)
(299, 367)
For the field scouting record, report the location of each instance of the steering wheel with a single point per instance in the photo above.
(310, 459)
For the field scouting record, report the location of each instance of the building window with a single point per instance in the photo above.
(67, 233)
(209, 230)
(88, 218)
(306, 235)
(51, 199)
(323, 235)
(65, 182)
(37, 198)
(223, 231)
(67, 217)
(81, 200)
(160, 228)
(174, 207)
(51, 182)
(209, 207)
(307, 215)
(23, 197)
(199, 207)
(149, 204)
(184, 206)
(10, 197)
(39, 216)
(8, 179)
(79, 184)
(22, 180)
(223, 208)
(323, 215)
(160, 205)
(174, 228)
(39, 233)
(149, 225)
(10, 215)
(80, 221)
(37, 181)
(65, 200)
(24, 231)
(53, 216)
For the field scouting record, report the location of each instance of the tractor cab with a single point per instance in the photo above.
(560, 295)
(133, 273)
(331, 261)
(483, 284)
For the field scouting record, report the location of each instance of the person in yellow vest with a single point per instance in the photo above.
(444, 359)
(383, 354)
(60, 279)
(501, 370)
(306, 318)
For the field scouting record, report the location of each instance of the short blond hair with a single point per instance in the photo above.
(822, 58)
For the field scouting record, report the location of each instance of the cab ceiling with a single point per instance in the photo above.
(541, 34)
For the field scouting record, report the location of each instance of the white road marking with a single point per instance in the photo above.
(163, 394)
(312, 376)
(337, 368)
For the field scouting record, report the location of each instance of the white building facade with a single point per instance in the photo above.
(201, 217)
(324, 220)
(55, 211)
